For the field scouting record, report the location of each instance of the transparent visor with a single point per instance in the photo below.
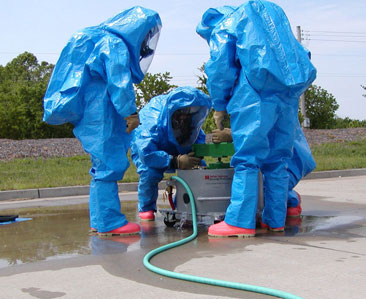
(148, 48)
(187, 123)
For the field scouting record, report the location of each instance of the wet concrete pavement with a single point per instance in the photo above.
(321, 255)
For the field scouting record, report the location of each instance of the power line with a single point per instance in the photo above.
(38, 53)
(342, 75)
(313, 54)
(335, 32)
(182, 54)
(341, 55)
(332, 35)
(156, 54)
(352, 37)
(336, 40)
(186, 78)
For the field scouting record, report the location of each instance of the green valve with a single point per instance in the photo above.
(218, 165)
(214, 150)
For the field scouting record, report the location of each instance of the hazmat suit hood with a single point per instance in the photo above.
(255, 41)
(157, 138)
(106, 57)
(92, 84)
(134, 26)
(194, 108)
(211, 18)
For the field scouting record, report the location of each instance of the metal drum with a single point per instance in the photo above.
(211, 189)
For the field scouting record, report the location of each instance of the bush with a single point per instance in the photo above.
(344, 123)
(23, 83)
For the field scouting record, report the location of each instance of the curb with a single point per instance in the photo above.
(63, 191)
(335, 173)
(132, 187)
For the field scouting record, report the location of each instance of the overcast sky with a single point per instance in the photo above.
(335, 33)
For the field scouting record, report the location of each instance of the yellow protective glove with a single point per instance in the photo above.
(133, 122)
(219, 117)
(188, 161)
(224, 135)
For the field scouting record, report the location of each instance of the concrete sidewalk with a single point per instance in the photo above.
(321, 255)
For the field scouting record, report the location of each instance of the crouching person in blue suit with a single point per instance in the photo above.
(170, 125)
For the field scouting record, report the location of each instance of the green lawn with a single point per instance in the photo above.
(342, 155)
(55, 172)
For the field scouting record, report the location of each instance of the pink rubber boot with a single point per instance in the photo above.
(272, 229)
(147, 216)
(223, 230)
(295, 211)
(130, 228)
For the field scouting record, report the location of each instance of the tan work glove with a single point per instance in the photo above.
(133, 122)
(224, 135)
(188, 161)
(219, 117)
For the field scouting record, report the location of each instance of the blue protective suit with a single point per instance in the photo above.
(256, 72)
(92, 88)
(300, 165)
(154, 141)
(211, 18)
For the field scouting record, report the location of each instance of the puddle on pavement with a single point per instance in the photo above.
(59, 233)
(63, 232)
(320, 224)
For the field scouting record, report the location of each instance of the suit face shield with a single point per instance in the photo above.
(148, 48)
(187, 122)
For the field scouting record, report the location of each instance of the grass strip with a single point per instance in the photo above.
(20, 174)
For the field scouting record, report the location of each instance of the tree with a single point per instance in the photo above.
(209, 123)
(23, 82)
(152, 85)
(320, 108)
(202, 80)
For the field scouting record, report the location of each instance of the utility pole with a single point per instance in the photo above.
(306, 122)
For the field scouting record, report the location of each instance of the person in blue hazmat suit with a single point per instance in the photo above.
(92, 88)
(170, 125)
(302, 161)
(256, 73)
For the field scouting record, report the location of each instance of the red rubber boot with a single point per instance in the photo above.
(130, 228)
(223, 230)
(147, 216)
(295, 211)
(272, 229)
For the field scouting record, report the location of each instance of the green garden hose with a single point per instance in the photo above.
(221, 283)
